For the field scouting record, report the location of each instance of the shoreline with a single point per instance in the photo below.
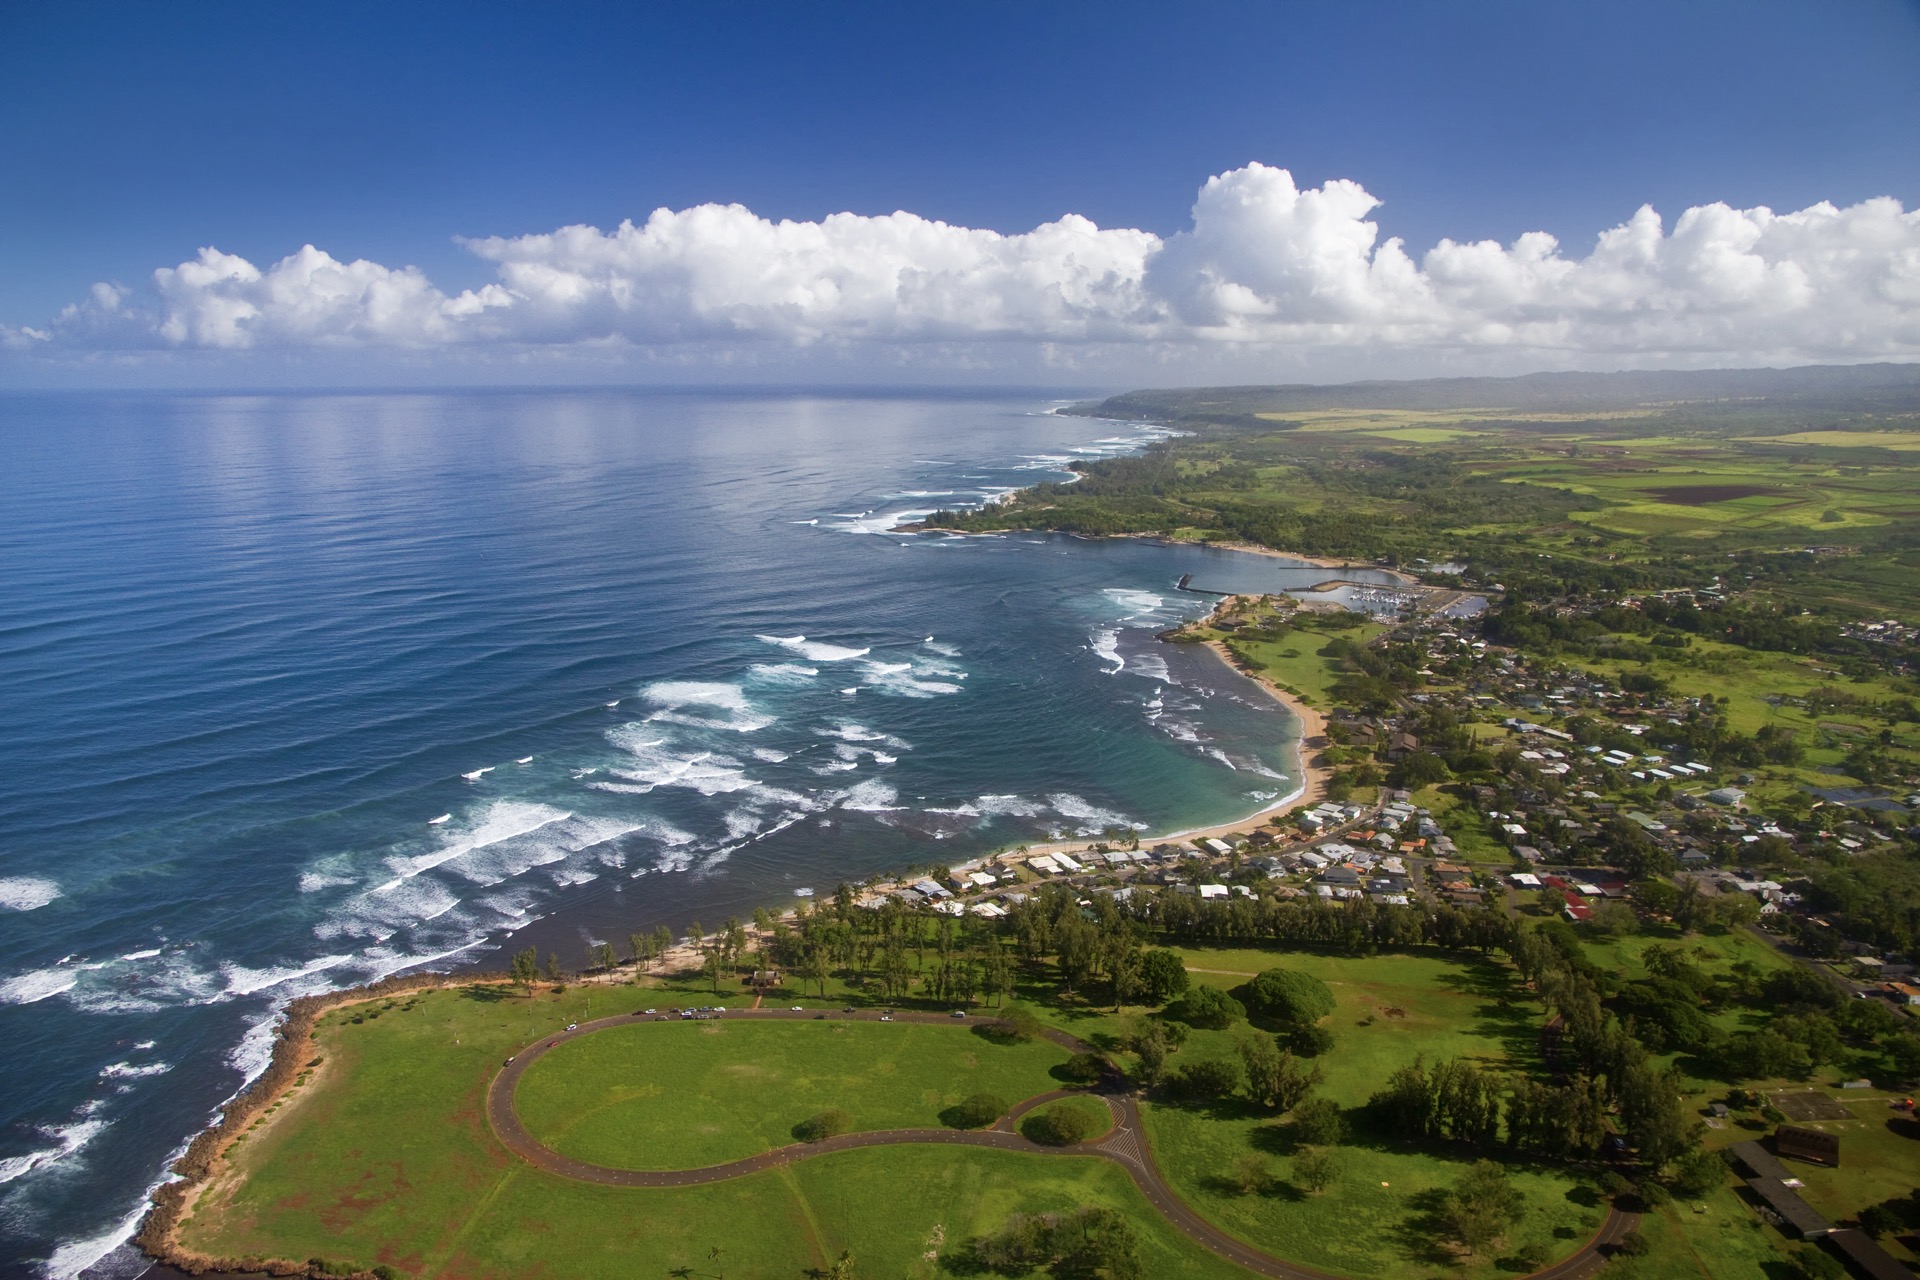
(199, 1168)
(1309, 788)
(1295, 558)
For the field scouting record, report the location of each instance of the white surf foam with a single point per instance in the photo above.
(106, 1256)
(65, 1139)
(814, 650)
(871, 796)
(26, 893)
(242, 981)
(132, 1071)
(850, 731)
(994, 806)
(38, 984)
(674, 696)
(503, 820)
(1091, 817)
(1107, 645)
(907, 679)
(790, 674)
(769, 754)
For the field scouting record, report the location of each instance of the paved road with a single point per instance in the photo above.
(1125, 1145)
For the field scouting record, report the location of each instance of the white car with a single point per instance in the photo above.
(797, 1009)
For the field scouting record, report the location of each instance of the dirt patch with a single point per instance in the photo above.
(1700, 495)
(1394, 1011)
(1810, 1106)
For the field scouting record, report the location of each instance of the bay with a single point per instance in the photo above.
(299, 690)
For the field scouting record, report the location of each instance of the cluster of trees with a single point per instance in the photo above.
(1810, 1023)
(1084, 1244)
(888, 947)
(1453, 1099)
(1874, 897)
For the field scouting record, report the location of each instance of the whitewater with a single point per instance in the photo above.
(305, 690)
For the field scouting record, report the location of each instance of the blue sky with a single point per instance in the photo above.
(138, 134)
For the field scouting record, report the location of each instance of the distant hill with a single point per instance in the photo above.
(1857, 388)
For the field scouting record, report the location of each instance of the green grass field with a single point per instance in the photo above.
(1389, 1009)
(1367, 1223)
(685, 1094)
(386, 1157)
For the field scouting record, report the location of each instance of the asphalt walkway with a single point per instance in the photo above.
(1125, 1144)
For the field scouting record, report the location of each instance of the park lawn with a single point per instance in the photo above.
(682, 1095)
(1447, 1007)
(1723, 1240)
(1294, 662)
(1715, 952)
(1368, 1222)
(385, 1157)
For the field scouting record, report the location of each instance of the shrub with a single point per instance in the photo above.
(976, 1112)
(1210, 1078)
(1082, 1068)
(827, 1124)
(1318, 1122)
(1060, 1125)
(1309, 1042)
(1021, 1022)
(1296, 998)
(1209, 1007)
(1632, 1244)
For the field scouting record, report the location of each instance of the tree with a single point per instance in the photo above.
(1315, 1168)
(975, 1112)
(1208, 1078)
(1021, 1022)
(1059, 1125)
(714, 966)
(1275, 1078)
(1252, 1173)
(1309, 1042)
(1163, 975)
(1289, 996)
(1482, 1206)
(1085, 1243)
(1319, 1122)
(1698, 1172)
(842, 1268)
(1211, 1008)
(603, 956)
(524, 969)
(553, 967)
(823, 1125)
(1084, 1069)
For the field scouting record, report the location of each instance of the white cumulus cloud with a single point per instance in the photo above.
(1264, 266)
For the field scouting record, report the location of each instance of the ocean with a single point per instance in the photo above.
(302, 690)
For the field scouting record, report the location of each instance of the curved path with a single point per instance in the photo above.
(1125, 1145)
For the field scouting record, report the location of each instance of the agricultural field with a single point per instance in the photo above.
(1663, 490)
(686, 1094)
